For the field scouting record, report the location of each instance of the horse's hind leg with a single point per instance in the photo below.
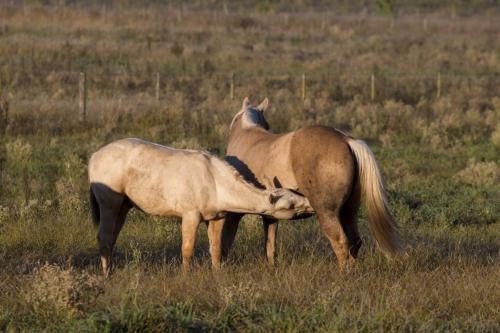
(110, 204)
(120, 221)
(330, 225)
(348, 219)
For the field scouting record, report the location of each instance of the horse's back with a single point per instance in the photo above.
(112, 164)
(156, 178)
(323, 164)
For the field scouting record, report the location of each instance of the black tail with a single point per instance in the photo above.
(94, 208)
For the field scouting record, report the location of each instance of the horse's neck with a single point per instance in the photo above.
(236, 194)
(238, 130)
(267, 155)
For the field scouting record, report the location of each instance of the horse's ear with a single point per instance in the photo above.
(273, 198)
(264, 105)
(245, 103)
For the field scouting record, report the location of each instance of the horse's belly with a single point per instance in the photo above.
(154, 205)
(152, 197)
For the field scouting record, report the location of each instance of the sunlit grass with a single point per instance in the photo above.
(439, 159)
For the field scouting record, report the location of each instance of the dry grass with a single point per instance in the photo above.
(448, 282)
(439, 158)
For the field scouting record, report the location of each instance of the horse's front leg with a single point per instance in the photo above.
(190, 223)
(270, 238)
(215, 237)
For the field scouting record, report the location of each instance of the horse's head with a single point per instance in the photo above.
(251, 116)
(288, 204)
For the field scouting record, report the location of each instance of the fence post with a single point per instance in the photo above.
(303, 86)
(438, 85)
(425, 24)
(157, 88)
(83, 96)
(4, 116)
(372, 87)
(179, 15)
(231, 87)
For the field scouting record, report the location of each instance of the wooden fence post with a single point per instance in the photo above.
(83, 96)
(179, 15)
(438, 85)
(4, 116)
(231, 87)
(372, 88)
(303, 86)
(157, 87)
(425, 24)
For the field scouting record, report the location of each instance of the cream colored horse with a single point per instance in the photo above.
(190, 184)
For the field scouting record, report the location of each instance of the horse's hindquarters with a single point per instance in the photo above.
(323, 166)
(326, 174)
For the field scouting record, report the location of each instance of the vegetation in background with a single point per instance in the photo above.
(439, 158)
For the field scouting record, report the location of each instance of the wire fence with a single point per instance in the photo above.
(370, 84)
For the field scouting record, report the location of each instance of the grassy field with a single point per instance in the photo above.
(439, 157)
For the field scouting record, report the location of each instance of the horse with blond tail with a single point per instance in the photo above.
(333, 170)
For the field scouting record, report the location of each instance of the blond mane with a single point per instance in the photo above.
(246, 120)
(234, 118)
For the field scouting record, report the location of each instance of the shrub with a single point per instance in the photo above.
(480, 173)
(60, 293)
(495, 136)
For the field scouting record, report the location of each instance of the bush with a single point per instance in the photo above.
(480, 173)
(56, 293)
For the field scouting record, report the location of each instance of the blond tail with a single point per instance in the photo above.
(380, 219)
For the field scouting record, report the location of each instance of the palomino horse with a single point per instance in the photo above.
(330, 168)
(190, 184)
